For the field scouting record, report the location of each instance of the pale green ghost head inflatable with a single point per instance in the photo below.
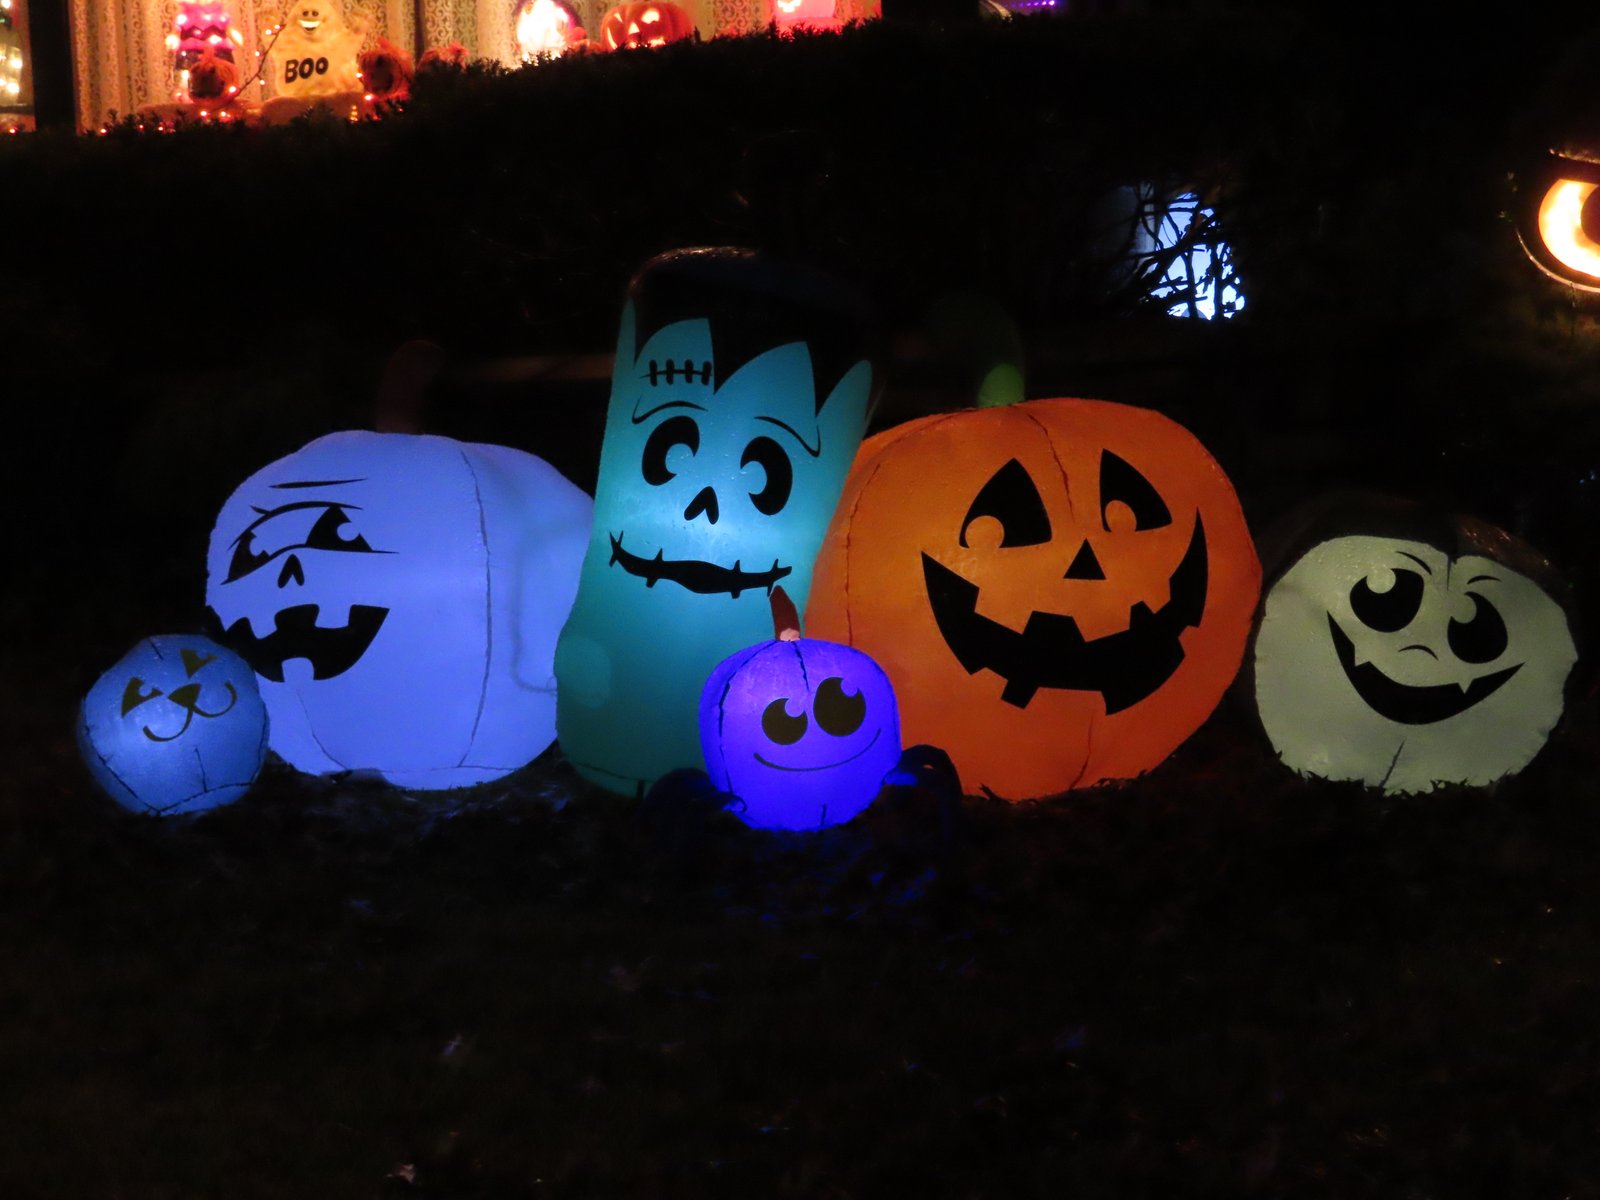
(1429, 652)
(738, 400)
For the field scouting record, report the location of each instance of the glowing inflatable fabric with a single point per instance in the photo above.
(177, 726)
(738, 399)
(400, 597)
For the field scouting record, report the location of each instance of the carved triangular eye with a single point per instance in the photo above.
(193, 661)
(134, 695)
(1011, 498)
(1119, 481)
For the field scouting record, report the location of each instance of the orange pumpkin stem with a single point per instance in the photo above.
(785, 617)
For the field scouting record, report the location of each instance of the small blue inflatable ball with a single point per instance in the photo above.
(177, 726)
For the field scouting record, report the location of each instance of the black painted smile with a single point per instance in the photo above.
(703, 578)
(1051, 652)
(331, 651)
(1403, 703)
(824, 766)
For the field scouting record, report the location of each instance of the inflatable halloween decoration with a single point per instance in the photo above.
(1405, 650)
(802, 731)
(1560, 226)
(1060, 590)
(547, 28)
(315, 53)
(738, 396)
(790, 15)
(177, 726)
(399, 596)
(636, 23)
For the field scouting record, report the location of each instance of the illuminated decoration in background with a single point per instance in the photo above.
(1428, 651)
(1060, 589)
(738, 396)
(11, 56)
(546, 28)
(399, 596)
(1175, 255)
(635, 23)
(386, 72)
(453, 57)
(810, 14)
(314, 52)
(201, 26)
(802, 731)
(1561, 230)
(177, 726)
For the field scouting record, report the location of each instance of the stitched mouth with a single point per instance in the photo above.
(1051, 651)
(1406, 704)
(825, 766)
(331, 651)
(702, 578)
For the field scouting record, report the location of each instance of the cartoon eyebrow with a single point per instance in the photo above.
(1483, 578)
(814, 451)
(268, 513)
(1416, 560)
(304, 483)
(640, 417)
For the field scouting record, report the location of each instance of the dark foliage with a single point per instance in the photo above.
(1216, 980)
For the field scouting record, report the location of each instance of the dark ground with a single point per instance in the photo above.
(1217, 980)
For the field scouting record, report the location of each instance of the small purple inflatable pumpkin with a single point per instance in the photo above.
(801, 730)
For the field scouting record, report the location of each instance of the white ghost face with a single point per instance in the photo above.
(1389, 662)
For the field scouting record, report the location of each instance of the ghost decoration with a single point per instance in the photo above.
(1061, 590)
(315, 53)
(1405, 651)
(177, 726)
(399, 596)
(804, 732)
(739, 394)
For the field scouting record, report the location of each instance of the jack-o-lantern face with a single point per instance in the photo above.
(1388, 661)
(728, 437)
(1560, 226)
(400, 597)
(636, 23)
(1060, 590)
(802, 731)
(177, 726)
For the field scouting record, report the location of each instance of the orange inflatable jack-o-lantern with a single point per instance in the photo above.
(644, 23)
(1060, 590)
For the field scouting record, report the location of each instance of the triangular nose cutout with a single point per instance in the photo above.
(1085, 565)
(705, 501)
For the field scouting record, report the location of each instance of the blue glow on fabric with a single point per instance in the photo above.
(400, 596)
(707, 497)
(803, 732)
(177, 726)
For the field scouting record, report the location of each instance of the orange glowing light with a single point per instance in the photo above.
(1562, 231)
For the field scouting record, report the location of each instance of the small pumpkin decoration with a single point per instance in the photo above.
(1060, 590)
(177, 726)
(1405, 648)
(801, 730)
(399, 596)
(644, 23)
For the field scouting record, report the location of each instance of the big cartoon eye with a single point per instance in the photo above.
(774, 493)
(324, 534)
(1011, 498)
(1569, 228)
(1121, 484)
(837, 713)
(1480, 639)
(1390, 609)
(779, 726)
(674, 431)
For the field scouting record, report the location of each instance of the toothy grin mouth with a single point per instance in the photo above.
(1404, 703)
(296, 634)
(702, 578)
